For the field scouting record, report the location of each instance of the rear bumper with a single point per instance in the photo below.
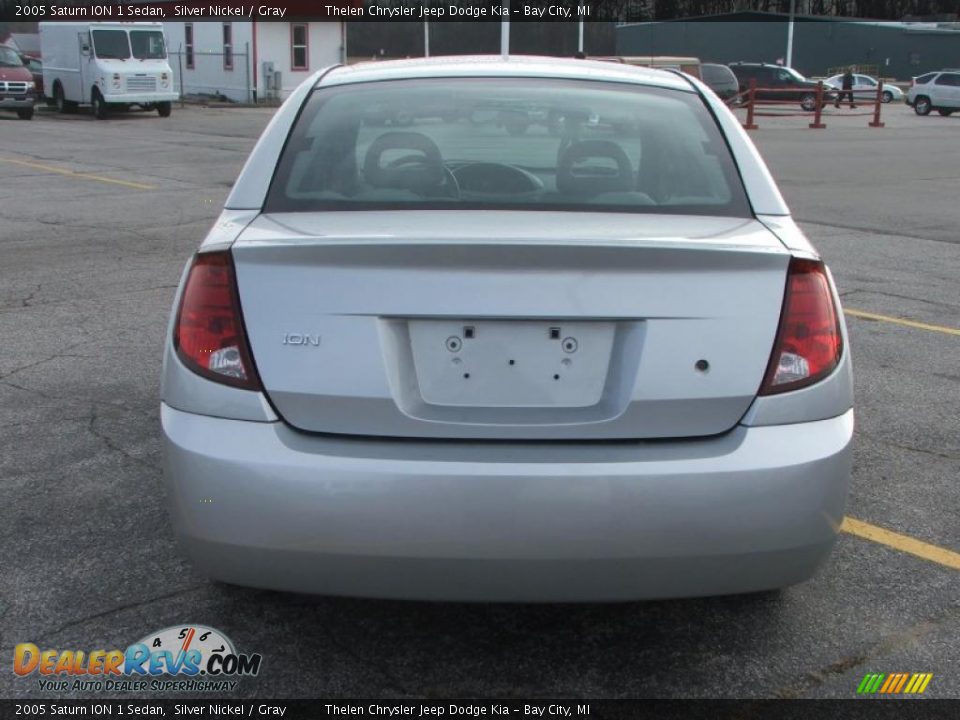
(258, 504)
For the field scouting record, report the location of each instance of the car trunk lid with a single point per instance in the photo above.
(510, 325)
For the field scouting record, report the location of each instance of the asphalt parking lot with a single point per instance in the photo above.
(98, 219)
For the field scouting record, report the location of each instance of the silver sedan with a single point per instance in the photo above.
(865, 88)
(595, 361)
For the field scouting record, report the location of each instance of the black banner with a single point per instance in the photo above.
(333, 10)
(890, 709)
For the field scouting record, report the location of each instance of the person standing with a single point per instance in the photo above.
(847, 84)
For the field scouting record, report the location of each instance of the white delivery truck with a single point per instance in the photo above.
(106, 63)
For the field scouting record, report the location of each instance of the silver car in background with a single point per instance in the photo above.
(597, 361)
(865, 88)
(938, 91)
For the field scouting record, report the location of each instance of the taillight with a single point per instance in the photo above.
(809, 344)
(208, 335)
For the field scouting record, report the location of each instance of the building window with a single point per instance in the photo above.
(227, 46)
(299, 44)
(188, 44)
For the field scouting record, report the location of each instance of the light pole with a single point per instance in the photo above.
(793, 8)
(505, 31)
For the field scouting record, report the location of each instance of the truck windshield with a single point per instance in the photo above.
(9, 57)
(147, 44)
(111, 44)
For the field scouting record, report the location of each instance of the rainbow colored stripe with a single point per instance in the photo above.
(894, 683)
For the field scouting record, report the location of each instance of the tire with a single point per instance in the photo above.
(25, 114)
(63, 105)
(164, 109)
(886, 97)
(808, 102)
(922, 106)
(944, 112)
(98, 105)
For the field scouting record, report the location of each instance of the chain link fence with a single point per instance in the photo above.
(218, 75)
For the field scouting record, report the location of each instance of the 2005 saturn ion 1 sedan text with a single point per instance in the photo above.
(506, 329)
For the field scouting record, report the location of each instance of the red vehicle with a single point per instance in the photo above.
(35, 66)
(17, 89)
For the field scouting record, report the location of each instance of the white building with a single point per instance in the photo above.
(250, 61)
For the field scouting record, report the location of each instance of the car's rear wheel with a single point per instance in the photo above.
(886, 97)
(808, 102)
(164, 109)
(922, 106)
(25, 113)
(945, 112)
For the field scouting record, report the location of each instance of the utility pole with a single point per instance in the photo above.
(580, 37)
(505, 32)
(793, 10)
(426, 39)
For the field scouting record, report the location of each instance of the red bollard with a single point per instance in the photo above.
(876, 107)
(816, 124)
(751, 99)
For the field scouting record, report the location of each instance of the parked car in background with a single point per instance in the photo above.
(865, 88)
(782, 84)
(689, 65)
(938, 91)
(721, 80)
(609, 365)
(17, 90)
(35, 66)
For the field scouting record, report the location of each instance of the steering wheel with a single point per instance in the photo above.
(449, 183)
(421, 171)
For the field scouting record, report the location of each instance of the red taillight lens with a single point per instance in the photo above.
(809, 344)
(208, 334)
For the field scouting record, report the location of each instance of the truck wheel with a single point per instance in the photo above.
(922, 106)
(63, 105)
(99, 106)
(25, 113)
(164, 109)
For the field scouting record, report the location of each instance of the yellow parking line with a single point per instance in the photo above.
(903, 543)
(900, 321)
(71, 173)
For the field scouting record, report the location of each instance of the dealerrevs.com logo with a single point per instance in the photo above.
(178, 658)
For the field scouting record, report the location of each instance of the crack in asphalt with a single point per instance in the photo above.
(886, 293)
(875, 231)
(94, 418)
(73, 301)
(909, 448)
(121, 608)
(60, 399)
(62, 354)
(896, 641)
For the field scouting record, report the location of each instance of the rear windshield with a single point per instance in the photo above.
(9, 58)
(717, 74)
(505, 144)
